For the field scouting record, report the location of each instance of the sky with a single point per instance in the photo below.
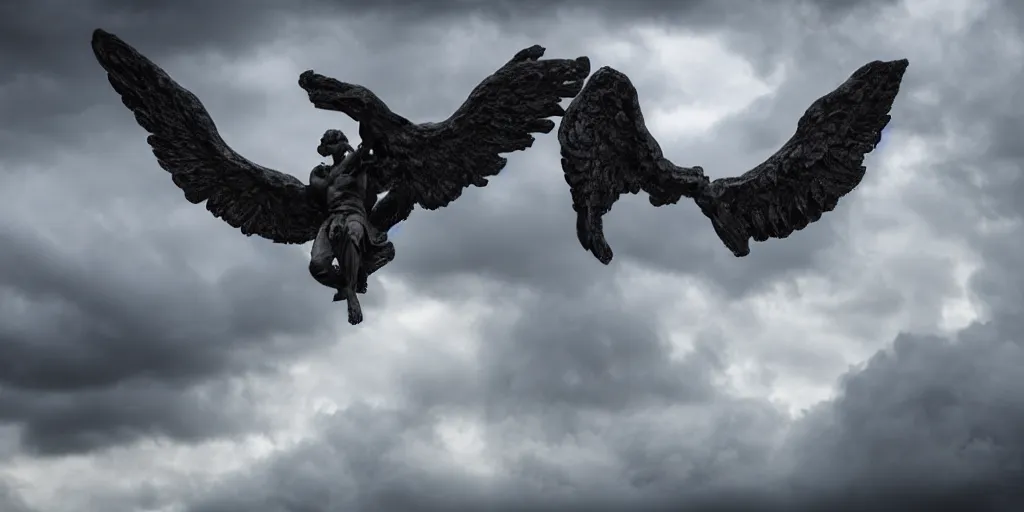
(154, 359)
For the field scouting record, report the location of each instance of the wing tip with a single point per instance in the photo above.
(595, 244)
(607, 78)
(609, 74)
(607, 70)
(590, 233)
(741, 252)
(532, 53)
(102, 40)
(898, 67)
(890, 70)
(582, 66)
(730, 228)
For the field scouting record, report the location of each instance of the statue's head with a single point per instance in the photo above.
(333, 142)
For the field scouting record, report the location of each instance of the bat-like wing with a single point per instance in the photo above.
(430, 164)
(184, 138)
(607, 151)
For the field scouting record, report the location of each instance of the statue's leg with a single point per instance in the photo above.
(350, 258)
(321, 261)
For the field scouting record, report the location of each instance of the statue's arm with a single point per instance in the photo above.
(318, 180)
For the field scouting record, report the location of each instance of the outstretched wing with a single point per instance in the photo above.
(607, 151)
(431, 163)
(821, 163)
(257, 200)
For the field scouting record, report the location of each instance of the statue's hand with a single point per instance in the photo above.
(318, 178)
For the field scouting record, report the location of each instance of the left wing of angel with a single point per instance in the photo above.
(607, 151)
(186, 143)
(430, 164)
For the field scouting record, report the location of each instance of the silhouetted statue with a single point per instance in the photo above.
(425, 164)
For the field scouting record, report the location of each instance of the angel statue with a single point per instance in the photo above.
(607, 151)
(425, 164)
(347, 236)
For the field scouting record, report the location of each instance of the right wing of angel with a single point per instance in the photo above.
(607, 151)
(185, 141)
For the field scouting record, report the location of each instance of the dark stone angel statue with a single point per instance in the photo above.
(607, 151)
(425, 164)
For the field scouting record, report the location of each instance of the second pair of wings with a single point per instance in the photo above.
(606, 150)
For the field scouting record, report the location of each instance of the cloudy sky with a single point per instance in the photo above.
(153, 359)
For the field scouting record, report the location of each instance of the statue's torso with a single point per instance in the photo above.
(346, 189)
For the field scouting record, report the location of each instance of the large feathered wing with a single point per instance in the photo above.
(607, 151)
(430, 164)
(184, 138)
(822, 162)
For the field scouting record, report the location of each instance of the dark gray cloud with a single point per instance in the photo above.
(918, 427)
(46, 55)
(98, 350)
(928, 422)
(58, 423)
(956, 397)
(588, 352)
(46, 46)
(587, 384)
(924, 380)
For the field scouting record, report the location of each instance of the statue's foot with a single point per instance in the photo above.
(355, 311)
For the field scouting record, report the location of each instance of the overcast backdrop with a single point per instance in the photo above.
(153, 359)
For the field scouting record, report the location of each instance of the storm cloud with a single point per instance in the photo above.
(152, 358)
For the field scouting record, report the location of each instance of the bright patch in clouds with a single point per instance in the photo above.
(715, 82)
(464, 441)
